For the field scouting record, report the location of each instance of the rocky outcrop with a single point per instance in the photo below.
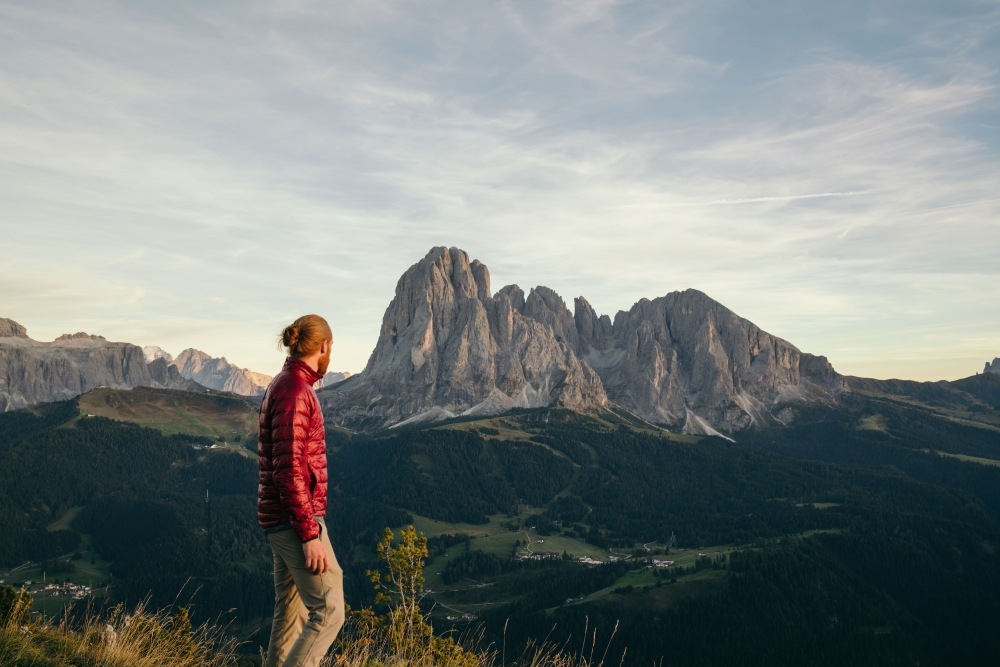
(34, 372)
(994, 367)
(685, 360)
(448, 348)
(11, 329)
(219, 374)
(166, 375)
(333, 378)
(201, 369)
(154, 352)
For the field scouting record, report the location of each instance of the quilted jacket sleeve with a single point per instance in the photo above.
(291, 423)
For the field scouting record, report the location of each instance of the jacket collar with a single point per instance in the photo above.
(303, 369)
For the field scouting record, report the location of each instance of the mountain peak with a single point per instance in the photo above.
(682, 360)
(154, 352)
(219, 374)
(11, 329)
(81, 336)
(68, 366)
(446, 343)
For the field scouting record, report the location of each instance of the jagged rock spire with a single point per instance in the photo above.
(447, 347)
(683, 360)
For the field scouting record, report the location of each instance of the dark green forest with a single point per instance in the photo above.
(856, 535)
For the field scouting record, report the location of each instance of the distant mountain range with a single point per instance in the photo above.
(35, 372)
(219, 374)
(449, 347)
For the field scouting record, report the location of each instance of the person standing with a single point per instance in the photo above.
(291, 502)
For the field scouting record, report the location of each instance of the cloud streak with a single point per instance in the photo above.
(614, 150)
(757, 200)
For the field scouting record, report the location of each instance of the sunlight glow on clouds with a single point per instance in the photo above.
(197, 175)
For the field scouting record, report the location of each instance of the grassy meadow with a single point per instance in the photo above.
(222, 417)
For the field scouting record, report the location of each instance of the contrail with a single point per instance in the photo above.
(754, 200)
(962, 205)
(749, 200)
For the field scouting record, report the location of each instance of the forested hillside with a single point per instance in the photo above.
(863, 535)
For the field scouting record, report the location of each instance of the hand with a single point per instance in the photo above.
(317, 560)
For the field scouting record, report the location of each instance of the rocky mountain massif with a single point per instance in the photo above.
(449, 346)
(994, 367)
(34, 372)
(219, 374)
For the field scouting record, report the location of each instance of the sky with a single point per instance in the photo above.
(198, 174)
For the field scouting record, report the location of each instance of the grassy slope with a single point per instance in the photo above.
(225, 417)
(974, 400)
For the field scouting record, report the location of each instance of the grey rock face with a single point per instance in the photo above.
(994, 367)
(685, 360)
(11, 329)
(333, 377)
(594, 332)
(219, 374)
(166, 375)
(154, 352)
(446, 346)
(34, 372)
(682, 360)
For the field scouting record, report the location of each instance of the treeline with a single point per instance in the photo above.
(449, 475)
(615, 487)
(47, 468)
(833, 436)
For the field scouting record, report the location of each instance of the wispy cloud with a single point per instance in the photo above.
(752, 200)
(614, 150)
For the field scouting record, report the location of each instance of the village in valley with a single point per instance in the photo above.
(52, 584)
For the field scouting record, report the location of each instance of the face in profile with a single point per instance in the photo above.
(324, 361)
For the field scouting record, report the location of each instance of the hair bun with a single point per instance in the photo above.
(305, 336)
(290, 336)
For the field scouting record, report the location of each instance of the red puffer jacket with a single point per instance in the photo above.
(291, 453)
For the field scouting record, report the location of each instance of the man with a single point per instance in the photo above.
(291, 502)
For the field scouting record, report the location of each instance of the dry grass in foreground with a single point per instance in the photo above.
(400, 637)
(141, 638)
(364, 648)
(120, 638)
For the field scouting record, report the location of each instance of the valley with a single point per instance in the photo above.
(540, 522)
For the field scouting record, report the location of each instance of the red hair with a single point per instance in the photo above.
(305, 335)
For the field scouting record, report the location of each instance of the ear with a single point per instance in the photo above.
(325, 346)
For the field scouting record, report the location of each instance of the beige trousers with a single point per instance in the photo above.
(308, 608)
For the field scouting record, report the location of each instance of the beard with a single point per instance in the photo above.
(323, 363)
